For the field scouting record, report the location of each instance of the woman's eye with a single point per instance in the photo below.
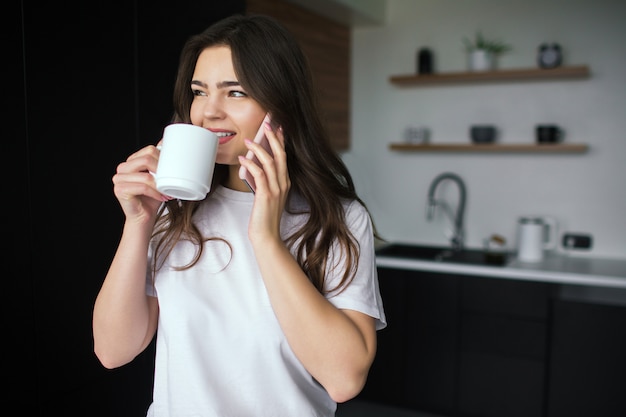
(197, 92)
(236, 93)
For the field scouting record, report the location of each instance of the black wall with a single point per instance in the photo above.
(88, 83)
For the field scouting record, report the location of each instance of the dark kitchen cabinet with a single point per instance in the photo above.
(89, 83)
(471, 346)
(461, 345)
(587, 367)
(504, 334)
(416, 362)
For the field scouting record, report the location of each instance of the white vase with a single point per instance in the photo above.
(481, 60)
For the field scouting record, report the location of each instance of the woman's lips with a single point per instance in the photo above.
(223, 135)
(224, 139)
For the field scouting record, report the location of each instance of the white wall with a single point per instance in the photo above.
(585, 192)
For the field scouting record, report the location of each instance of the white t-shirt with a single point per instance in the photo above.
(220, 351)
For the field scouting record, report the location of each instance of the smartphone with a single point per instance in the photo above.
(261, 139)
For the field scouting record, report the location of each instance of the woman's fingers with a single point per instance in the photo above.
(128, 185)
(134, 185)
(272, 172)
(280, 158)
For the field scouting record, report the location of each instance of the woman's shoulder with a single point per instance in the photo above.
(354, 205)
(357, 217)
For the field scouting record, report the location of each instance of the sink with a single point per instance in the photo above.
(442, 254)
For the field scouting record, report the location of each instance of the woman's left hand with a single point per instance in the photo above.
(272, 186)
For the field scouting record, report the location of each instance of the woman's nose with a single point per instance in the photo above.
(213, 108)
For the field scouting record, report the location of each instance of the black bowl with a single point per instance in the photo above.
(483, 134)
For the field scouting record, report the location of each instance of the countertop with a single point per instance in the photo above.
(555, 268)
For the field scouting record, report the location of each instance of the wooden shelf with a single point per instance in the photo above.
(575, 72)
(491, 148)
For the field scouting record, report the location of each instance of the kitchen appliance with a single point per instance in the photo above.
(536, 234)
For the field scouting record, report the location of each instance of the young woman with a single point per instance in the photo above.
(263, 304)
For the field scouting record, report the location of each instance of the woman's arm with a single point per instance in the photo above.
(336, 346)
(124, 316)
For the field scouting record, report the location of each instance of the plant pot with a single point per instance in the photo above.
(481, 60)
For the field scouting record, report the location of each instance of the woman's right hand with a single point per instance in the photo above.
(134, 185)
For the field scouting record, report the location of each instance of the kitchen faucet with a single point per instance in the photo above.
(458, 234)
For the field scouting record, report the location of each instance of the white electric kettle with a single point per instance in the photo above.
(535, 235)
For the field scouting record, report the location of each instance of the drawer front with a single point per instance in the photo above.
(491, 386)
(503, 335)
(502, 296)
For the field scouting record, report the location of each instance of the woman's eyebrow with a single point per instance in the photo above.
(221, 84)
(200, 83)
(224, 84)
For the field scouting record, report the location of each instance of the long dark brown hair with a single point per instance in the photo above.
(272, 69)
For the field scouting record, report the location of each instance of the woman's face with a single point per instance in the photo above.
(221, 105)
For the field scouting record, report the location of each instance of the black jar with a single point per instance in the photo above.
(424, 61)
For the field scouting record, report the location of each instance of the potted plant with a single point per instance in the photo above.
(482, 52)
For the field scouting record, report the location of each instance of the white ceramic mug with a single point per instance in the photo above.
(186, 163)
(535, 235)
(416, 135)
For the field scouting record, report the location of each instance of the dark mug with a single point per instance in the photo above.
(483, 133)
(549, 134)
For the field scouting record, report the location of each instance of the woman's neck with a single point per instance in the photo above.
(234, 182)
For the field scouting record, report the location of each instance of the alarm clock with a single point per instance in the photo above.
(549, 55)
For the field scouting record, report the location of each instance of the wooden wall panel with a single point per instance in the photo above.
(326, 44)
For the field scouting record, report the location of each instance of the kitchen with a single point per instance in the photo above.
(582, 191)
